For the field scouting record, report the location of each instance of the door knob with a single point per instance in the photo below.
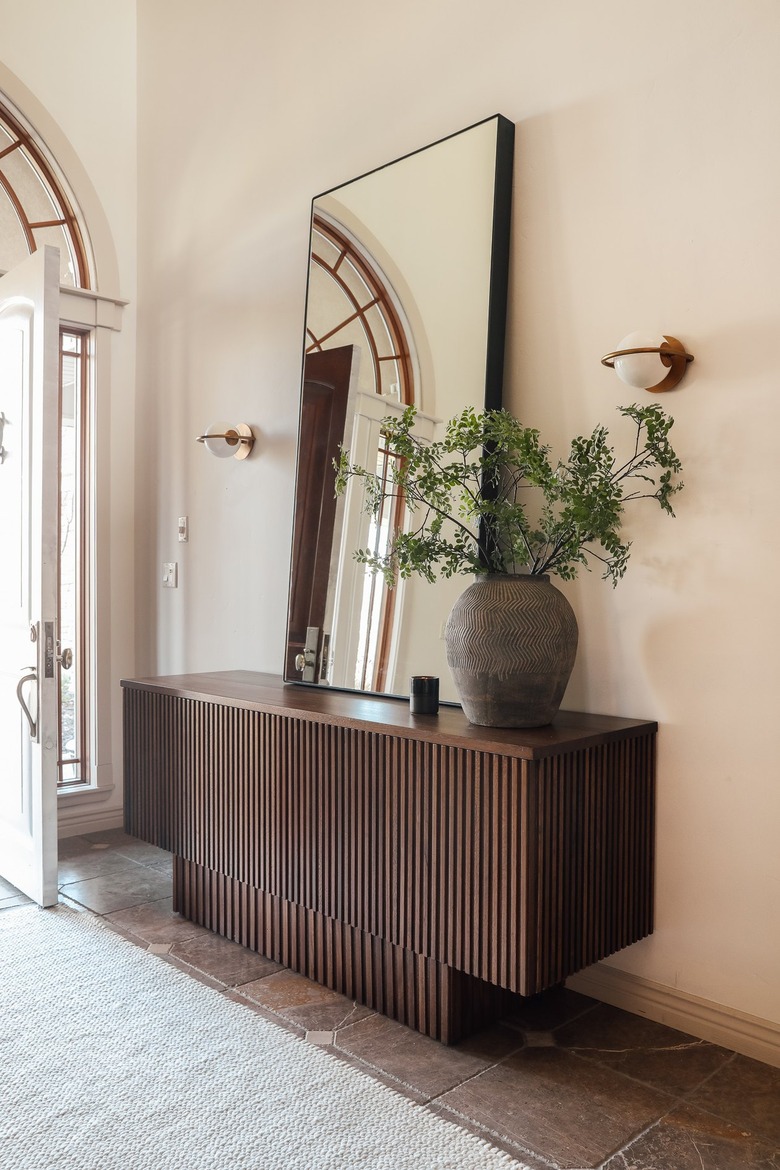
(65, 658)
(305, 660)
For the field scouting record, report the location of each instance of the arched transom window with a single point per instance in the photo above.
(34, 206)
(349, 304)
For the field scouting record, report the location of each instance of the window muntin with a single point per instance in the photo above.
(34, 207)
(353, 307)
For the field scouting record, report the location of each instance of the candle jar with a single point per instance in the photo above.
(424, 694)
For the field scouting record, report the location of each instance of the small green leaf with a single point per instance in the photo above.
(487, 496)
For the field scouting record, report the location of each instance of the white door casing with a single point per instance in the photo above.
(29, 503)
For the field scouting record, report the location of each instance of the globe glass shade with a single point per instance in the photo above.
(640, 369)
(218, 446)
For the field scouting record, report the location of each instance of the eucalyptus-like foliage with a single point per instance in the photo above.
(487, 498)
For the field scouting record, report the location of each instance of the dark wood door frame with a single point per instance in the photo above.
(325, 394)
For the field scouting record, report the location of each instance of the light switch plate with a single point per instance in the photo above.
(170, 575)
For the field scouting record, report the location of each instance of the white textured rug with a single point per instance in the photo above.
(111, 1059)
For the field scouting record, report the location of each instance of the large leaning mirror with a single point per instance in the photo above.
(406, 303)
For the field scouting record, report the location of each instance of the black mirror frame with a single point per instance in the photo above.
(495, 342)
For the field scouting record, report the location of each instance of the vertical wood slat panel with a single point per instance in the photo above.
(595, 857)
(513, 872)
(429, 996)
(448, 855)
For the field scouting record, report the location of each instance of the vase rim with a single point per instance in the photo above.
(527, 576)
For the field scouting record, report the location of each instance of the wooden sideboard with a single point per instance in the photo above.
(428, 868)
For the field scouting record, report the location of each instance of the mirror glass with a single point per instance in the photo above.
(406, 303)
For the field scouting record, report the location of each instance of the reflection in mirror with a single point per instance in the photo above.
(406, 303)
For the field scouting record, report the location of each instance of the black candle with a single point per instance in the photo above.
(424, 694)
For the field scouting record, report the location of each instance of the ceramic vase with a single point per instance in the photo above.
(511, 641)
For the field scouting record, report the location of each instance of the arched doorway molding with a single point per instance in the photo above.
(93, 316)
(70, 172)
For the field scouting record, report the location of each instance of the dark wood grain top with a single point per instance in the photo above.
(265, 692)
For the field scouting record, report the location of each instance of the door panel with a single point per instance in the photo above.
(29, 496)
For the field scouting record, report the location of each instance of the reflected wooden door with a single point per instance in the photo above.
(323, 412)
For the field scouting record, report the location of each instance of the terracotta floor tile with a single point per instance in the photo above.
(156, 922)
(746, 1093)
(289, 990)
(113, 838)
(223, 960)
(144, 854)
(304, 1003)
(92, 864)
(164, 866)
(688, 1139)
(124, 845)
(73, 847)
(332, 1017)
(571, 1112)
(549, 1009)
(118, 891)
(640, 1048)
(425, 1065)
(491, 1045)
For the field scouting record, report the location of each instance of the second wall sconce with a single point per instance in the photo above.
(646, 365)
(224, 440)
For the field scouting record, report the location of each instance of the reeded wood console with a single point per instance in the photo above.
(426, 867)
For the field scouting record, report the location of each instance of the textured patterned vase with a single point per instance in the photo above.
(511, 643)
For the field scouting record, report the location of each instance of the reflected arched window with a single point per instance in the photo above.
(352, 305)
(35, 208)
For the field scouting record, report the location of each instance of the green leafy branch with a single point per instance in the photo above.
(487, 498)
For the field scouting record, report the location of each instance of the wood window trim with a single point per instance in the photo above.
(380, 299)
(24, 141)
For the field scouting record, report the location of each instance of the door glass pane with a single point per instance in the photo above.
(71, 510)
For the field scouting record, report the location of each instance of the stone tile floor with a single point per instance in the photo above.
(566, 1083)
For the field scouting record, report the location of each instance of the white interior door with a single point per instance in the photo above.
(29, 503)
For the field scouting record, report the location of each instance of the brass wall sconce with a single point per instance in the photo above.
(647, 366)
(223, 440)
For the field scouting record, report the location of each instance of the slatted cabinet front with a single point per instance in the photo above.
(424, 878)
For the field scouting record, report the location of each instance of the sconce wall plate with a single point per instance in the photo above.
(223, 440)
(631, 366)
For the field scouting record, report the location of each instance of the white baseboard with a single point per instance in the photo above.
(86, 820)
(749, 1035)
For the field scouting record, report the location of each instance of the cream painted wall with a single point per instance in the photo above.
(71, 70)
(647, 184)
(646, 196)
